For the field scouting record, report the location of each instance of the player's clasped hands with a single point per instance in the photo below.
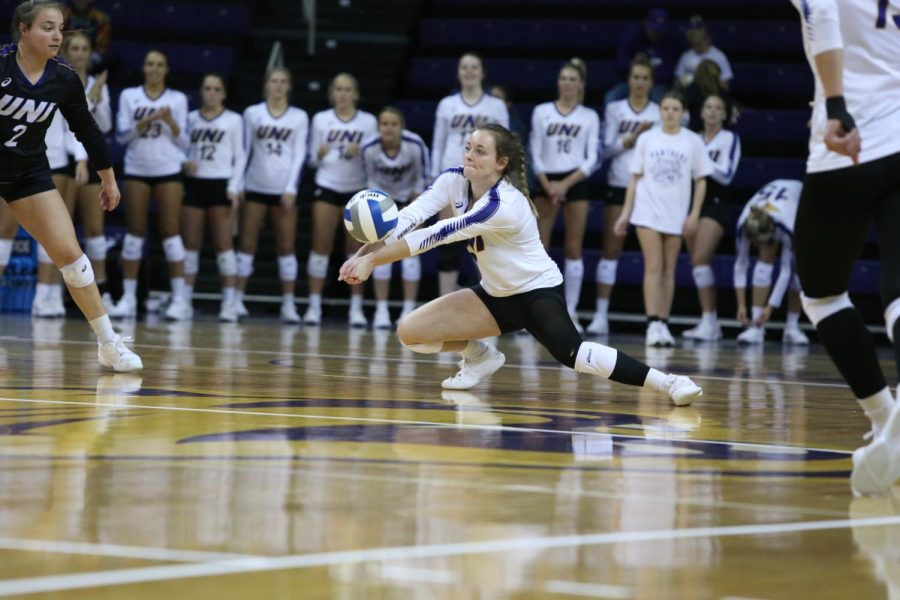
(356, 269)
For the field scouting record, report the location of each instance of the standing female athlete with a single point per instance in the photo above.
(214, 173)
(150, 121)
(276, 138)
(565, 139)
(521, 286)
(35, 84)
(334, 146)
(624, 121)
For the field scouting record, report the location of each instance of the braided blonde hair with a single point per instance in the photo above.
(510, 145)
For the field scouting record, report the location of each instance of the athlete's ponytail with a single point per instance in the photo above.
(509, 145)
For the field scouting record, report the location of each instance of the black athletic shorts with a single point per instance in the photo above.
(68, 170)
(332, 197)
(833, 218)
(510, 311)
(32, 181)
(92, 172)
(260, 198)
(205, 193)
(614, 196)
(579, 191)
(720, 211)
(151, 181)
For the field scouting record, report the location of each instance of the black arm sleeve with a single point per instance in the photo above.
(82, 124)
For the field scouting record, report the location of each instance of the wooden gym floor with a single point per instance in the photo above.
(264, 461)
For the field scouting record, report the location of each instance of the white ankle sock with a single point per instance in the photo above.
(792, 321)
(356, 302)
(474, 350)
(602, 306)
(102, 326)
(656, 380)
(129, 288)
(381, 306)
(710, 317)
(315, 301)
(287, 298)
(878, 408)
(228, 295)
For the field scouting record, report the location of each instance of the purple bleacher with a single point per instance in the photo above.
(594, 36)
(183, 58)
(753, 173)
(749, 37)
(202, 17)
(774, 126)
(754, 79)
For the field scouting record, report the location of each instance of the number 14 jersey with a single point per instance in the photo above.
(277, 148)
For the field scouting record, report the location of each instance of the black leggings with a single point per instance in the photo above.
(541, 312)
(833, 218)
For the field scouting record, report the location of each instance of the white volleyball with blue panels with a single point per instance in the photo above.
(370, 216)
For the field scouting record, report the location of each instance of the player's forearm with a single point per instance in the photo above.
(830, 66)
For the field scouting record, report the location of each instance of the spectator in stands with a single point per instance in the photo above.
(767, 222)
(655, 41)
(214, 174)
(565, 141)
(706, 83)
(456, 118)
(724, 149)
(624, 122)
(659, 202)
(701, 49)
(335, 141)
(395, 160)
(150, 121)
(82, 15)
(276, 138)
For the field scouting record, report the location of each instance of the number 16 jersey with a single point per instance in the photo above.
(277, 147)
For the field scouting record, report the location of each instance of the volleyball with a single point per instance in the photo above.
(370, 216)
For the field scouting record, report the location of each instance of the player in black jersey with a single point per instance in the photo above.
(34, 83)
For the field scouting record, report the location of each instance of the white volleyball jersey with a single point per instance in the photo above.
(668, 164)
(61, 143)
(562, 143)
(101, 111)
(454, 122)
(402, 176)
(869, 33)
(216, 146)
(277, 149)
(157, 151)
(500, 226)
(725, 154)
(620, 121)
(337, 171)
(780, 198)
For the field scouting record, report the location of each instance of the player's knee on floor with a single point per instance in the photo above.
(819, 309)
(78, 274)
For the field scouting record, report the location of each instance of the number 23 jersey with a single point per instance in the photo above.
(156, 152)
(277, 148)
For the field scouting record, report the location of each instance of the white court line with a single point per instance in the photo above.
(588, 590)
(369, 357)
(253, 413)
(97, 579)
(412, 574)
(115, 550)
